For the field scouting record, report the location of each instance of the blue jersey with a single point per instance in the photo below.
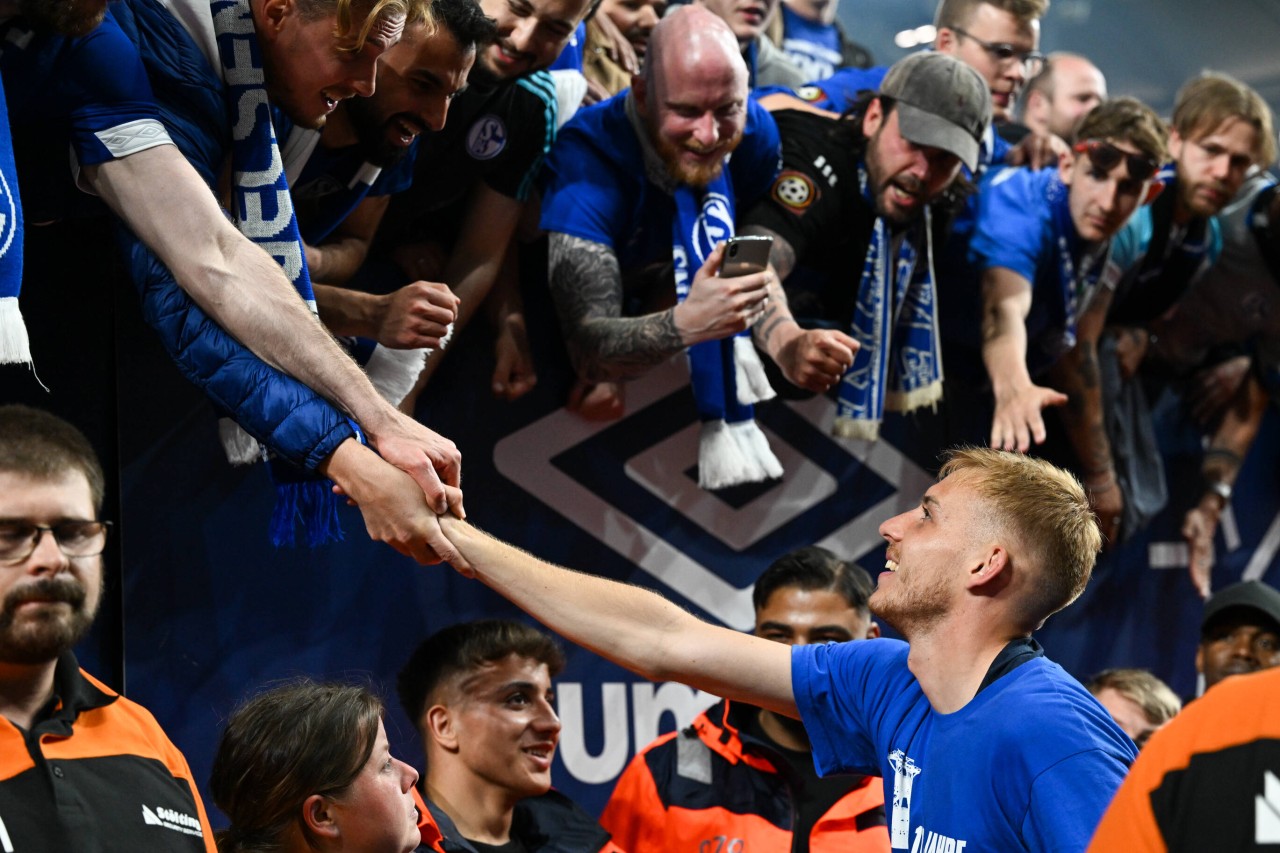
(812, 47)
(570, 58)
(92, 91)
(1024, 225)
(1030, 763)
(597, 187)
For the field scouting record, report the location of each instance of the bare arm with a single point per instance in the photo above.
(631, 626)
(1006, 301)
(1227, 450)
(1077, 374)
(336, 260)
(163, 200)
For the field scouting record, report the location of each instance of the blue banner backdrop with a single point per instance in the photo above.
(213, 612)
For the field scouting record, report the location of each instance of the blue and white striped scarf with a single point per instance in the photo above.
(15, 347)
(898, 364)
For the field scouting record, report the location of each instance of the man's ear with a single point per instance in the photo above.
(272, 16)
(318, 816)
(945, 40)
(438, 727)
(1200, 658)
(993, 569)
(1066, 164)
(873, 630)
(873, 118)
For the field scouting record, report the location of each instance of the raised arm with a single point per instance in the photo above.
(1079, 376)
(163, 200)
(586, 284)
(1006, 302)
(631, 626)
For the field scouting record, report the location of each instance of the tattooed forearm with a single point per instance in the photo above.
(586, 285)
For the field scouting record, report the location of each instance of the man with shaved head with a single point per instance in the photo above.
(640, 195)
(1062, 94)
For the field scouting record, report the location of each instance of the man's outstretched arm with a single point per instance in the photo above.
(628, 625)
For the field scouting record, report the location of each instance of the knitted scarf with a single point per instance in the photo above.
(15, 348)
(898, 364)
(726, 375)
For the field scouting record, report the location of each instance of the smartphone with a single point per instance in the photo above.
(745, 255)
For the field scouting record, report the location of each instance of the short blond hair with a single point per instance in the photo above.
(414, 12)
(1210, 99)
(1046, 511)
(1157, 700)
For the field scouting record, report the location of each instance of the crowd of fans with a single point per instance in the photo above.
(313, 196)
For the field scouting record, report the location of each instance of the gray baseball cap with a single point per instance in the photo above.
(941, 103)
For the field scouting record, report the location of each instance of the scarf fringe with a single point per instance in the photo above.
(734, 454)
(240, 447)
(15, 345)
(310, 502)
(394, 372)
(749, 377)
(859, 428)
(908, 401)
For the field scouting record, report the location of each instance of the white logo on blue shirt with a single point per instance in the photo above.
(715, 224)
(904, 774)
(486, 138)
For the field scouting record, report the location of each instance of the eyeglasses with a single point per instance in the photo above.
(1004, 53)
(1105, 157)
(18, 539)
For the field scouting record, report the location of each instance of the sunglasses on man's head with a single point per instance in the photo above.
(1105, 157)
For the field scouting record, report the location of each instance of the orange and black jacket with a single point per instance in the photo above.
(711, 787)
(1209, 780)
(96, 773)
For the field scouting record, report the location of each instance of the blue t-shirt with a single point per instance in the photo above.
(812, 47)
(1023, 225)
(1030, 763)
(597, 190)
(57, 85)
(570, 58)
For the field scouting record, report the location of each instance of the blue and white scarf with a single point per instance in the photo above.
(1080, 268)
(15, 346)
(263, 212)
(898, 364)
(726, 375)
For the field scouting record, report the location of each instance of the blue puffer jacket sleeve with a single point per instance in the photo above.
(274, 408)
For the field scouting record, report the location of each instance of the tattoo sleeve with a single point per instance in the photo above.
(586, 285)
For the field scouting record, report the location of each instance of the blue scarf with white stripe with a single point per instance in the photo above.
(15, 347)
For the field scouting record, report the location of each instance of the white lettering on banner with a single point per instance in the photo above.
(658, 469)
(649, 702)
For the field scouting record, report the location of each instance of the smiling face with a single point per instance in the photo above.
(1212, 167)
(531, 34)
(505, 727)
(308, 68)
(48, 600)
(928, 551)
(694, 104)
(994, 26)
(377, 812)
(417, 80)
(1101, 201)
(904, 177)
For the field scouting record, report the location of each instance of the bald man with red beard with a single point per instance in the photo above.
(613, 175)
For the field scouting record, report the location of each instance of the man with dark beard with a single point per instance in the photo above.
(852, 216)
(365, 155)
(79, 763)
(619, 178)
(760, 791)
(983, 743)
